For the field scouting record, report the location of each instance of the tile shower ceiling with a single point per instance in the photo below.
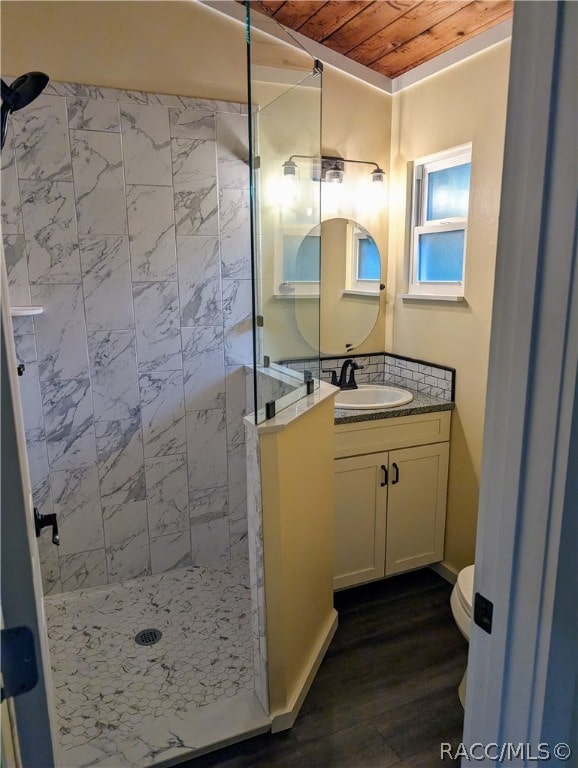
(388, 36)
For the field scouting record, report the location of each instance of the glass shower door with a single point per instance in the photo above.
(285, 153)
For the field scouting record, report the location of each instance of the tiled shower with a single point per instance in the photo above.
(125, 215)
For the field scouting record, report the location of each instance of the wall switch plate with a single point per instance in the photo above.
(483, 612)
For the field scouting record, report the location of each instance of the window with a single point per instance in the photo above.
(441, 191)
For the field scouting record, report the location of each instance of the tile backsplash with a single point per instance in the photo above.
(126, 216)
(420, 376)
(386, 368)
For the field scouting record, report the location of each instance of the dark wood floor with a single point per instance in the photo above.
(386, 694)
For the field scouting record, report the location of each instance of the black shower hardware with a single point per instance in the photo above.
(44, 521)
(19, 94)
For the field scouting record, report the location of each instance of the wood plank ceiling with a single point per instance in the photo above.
(388, 36)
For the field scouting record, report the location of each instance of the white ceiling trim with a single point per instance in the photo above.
(461, 52)
(454, 56)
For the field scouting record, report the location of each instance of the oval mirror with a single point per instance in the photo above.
(350, 287)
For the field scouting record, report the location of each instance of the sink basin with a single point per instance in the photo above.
(372, 396)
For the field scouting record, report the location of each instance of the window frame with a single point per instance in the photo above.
(422, 167)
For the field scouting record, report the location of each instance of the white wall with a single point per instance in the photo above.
(464, 103)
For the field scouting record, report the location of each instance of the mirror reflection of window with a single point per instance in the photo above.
(368, 266)
(301, 259)
(349, 287)
(297, 262)
(363, 273)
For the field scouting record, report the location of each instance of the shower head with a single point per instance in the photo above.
(23, 90)
(18, 95)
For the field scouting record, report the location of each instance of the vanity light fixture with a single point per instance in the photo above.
(289, 167)
(332, 168)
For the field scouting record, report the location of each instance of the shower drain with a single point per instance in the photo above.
(148, 636)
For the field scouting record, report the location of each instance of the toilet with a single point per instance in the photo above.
(461, 603)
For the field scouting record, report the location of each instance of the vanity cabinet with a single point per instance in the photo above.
(390, 504)
(360, 514)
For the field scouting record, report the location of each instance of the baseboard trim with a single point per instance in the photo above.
(447, 572)
(281, 721)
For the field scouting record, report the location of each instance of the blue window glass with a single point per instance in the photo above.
(448, 192)
(441, 256)
(301, 258)
(368, 262)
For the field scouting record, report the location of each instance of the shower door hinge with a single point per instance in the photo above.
(483, 611)
(259, 320)
(318, 67)
(19, 668)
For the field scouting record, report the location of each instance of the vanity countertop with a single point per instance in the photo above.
(421, 403)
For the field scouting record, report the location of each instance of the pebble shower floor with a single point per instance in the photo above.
(106, 683)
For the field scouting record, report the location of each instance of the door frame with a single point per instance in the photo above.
(529, 493)
(21, 583)
(9, 744)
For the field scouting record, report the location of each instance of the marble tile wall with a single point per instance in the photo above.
(256, 563)
(273, 386)
(126, 216)
(281, 385)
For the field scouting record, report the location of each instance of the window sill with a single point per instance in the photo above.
(430, 297)
(364, 294)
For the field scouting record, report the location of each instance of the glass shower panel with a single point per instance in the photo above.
(285, 146)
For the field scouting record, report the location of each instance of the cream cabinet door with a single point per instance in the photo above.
(416, 507)
(360, 509)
